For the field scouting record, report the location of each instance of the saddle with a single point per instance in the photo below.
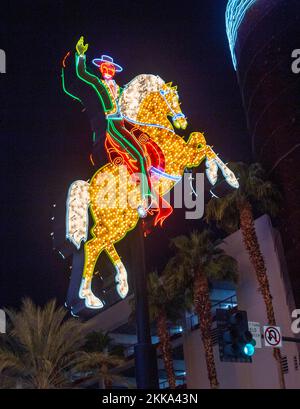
(153, 154)
(154, 158)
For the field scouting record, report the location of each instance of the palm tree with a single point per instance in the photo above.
(235, 210)
(103, 358)
(98, 341)
(99, 367)
(43, 349)
(164, 306)
(198, 259)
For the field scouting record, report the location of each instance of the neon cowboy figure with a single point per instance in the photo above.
(108, 92)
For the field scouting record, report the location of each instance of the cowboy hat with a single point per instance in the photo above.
(106, 59)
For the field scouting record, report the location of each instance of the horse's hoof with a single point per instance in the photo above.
(122, 290)
(93, 302)
(121, 280)
(231, 179)
(86, 294)
(212, 171)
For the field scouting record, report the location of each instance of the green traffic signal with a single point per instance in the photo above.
(249, 349)
(236, 343)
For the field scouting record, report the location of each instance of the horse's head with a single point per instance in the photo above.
(171, 99)
(147, 99)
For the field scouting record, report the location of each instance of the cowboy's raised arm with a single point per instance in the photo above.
(81, 70)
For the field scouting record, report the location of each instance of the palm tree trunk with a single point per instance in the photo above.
(258, 263)
(166, 348)
(101, 383)
(107, 384)
(203, 309)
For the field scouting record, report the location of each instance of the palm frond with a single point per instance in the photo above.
(254, 188)
(201, 252)
(42, 346)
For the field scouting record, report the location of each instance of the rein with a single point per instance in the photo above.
(175, 115)
(163, 174)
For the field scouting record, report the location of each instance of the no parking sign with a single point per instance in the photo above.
(272, 337)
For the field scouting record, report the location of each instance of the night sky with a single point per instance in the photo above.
(45, 136)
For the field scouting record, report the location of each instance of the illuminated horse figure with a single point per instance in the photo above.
(146, 103)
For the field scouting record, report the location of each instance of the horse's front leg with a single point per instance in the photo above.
(197, 142)
(121, 273)
(213, 162)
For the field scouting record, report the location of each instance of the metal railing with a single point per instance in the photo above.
(179, 383)
(229, 302)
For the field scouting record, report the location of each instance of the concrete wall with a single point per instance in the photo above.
(262, 373)
(111, 318)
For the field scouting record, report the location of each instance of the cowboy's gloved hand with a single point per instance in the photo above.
(81, 47)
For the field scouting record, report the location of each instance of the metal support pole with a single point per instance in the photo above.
(289, 339)
(145, 352)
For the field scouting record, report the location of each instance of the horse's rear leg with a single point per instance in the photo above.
(92, 250)
(121, 273)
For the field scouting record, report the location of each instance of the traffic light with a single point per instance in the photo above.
(236, 343)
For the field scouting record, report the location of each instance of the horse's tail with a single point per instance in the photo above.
(77, 212)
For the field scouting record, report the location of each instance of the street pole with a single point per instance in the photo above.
(289, 339)
(145, 353)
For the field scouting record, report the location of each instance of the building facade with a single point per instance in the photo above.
(262, 36)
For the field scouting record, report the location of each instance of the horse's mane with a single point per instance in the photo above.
(135, 91)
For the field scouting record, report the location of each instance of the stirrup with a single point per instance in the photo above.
(143, 210)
